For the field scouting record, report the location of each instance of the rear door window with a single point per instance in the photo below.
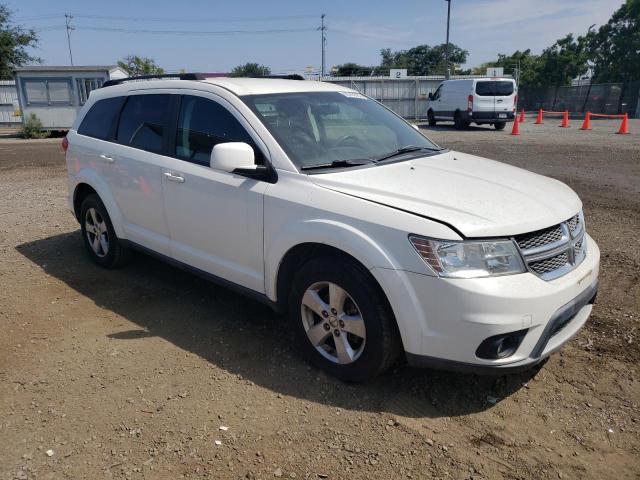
(143, 122)
(99, 122)
(494, 88)
(202, 124)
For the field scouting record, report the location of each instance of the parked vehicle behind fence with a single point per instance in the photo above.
(481, 101)
(324, 204)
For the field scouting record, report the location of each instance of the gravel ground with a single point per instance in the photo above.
(133, 373)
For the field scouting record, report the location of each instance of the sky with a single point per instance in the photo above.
(288, 40)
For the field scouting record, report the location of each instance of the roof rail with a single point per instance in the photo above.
(179, 76)
(293, 76)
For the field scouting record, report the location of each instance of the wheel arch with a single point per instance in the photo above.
(88, 183)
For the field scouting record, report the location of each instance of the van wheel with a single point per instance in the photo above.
(458, 122)
(99, 236)
(431, 118)
(342, 320)
(500, 125)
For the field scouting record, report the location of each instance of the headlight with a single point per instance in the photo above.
(469, 259)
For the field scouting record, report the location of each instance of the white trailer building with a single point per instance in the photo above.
(55, 94)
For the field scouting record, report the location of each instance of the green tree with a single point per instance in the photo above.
(563, 61)
(614, 49)
(250, 70)
(424, 59)
(351, 69)
(14, 44)
(528, 63)
(135, 66)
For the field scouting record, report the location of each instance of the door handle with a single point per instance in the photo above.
(107, 158)
(173, 178)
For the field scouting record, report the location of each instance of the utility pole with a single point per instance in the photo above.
(447, 73)
(324, 41)
(67, 21)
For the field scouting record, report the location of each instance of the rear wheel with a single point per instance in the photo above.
(458, 122)
(99, 236)
(431, 118)
(342, 320)
(499, 125)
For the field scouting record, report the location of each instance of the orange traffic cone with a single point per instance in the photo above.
(522, 116)
(516, 129)
(624, 126)
(539, 119)
(586, 125)
(565, 119)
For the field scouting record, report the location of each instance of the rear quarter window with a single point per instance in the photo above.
(99, 122)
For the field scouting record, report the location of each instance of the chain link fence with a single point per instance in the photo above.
(609, 98)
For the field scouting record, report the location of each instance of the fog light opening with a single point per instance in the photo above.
(501, 346)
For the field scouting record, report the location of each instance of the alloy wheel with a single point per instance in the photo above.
(97, 232)
(333, 322)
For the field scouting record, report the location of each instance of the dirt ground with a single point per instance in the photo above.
(133, 373)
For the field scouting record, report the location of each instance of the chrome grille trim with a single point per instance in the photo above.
(552, 252)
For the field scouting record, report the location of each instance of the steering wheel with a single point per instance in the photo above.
(347, 140)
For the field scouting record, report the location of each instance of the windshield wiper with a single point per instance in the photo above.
(337, 164)
(403, 150)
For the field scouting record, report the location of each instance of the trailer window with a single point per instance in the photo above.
(47, 91)
(85, 86)
(59, 91)
(35, 91)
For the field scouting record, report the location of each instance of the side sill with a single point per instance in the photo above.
(247, 292)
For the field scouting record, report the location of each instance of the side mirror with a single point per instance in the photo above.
(231, 156)
(431, 96)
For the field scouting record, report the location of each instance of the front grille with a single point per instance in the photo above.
(540, 238)
(549, 264)
(554, 251)
(574, 224)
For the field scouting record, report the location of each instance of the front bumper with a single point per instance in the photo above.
(443, 321)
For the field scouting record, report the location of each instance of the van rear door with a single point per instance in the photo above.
(483, 100)
(505, 93)
(496, 96)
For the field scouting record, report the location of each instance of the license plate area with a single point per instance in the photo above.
(502, 115)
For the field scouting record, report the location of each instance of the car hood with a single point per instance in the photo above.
(477, 196)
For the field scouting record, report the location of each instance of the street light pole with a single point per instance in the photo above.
(446, 50)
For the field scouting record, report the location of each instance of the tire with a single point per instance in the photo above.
(431, 118)
(98, 235)
(500, 125)
(458, 122)
(374, 341)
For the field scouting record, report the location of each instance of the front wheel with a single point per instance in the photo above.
(342, 320)
(431, 118)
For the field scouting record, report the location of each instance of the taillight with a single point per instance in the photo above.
(65, 144)
(470, 103)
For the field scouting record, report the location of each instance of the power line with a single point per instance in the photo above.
(193, 19)
(192, 32)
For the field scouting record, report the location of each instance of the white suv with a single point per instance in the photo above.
(323, 203)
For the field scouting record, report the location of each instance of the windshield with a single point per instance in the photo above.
(339, 128)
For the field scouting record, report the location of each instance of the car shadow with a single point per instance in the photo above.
(248, 339)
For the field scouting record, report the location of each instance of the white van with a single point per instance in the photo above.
(477, 100)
